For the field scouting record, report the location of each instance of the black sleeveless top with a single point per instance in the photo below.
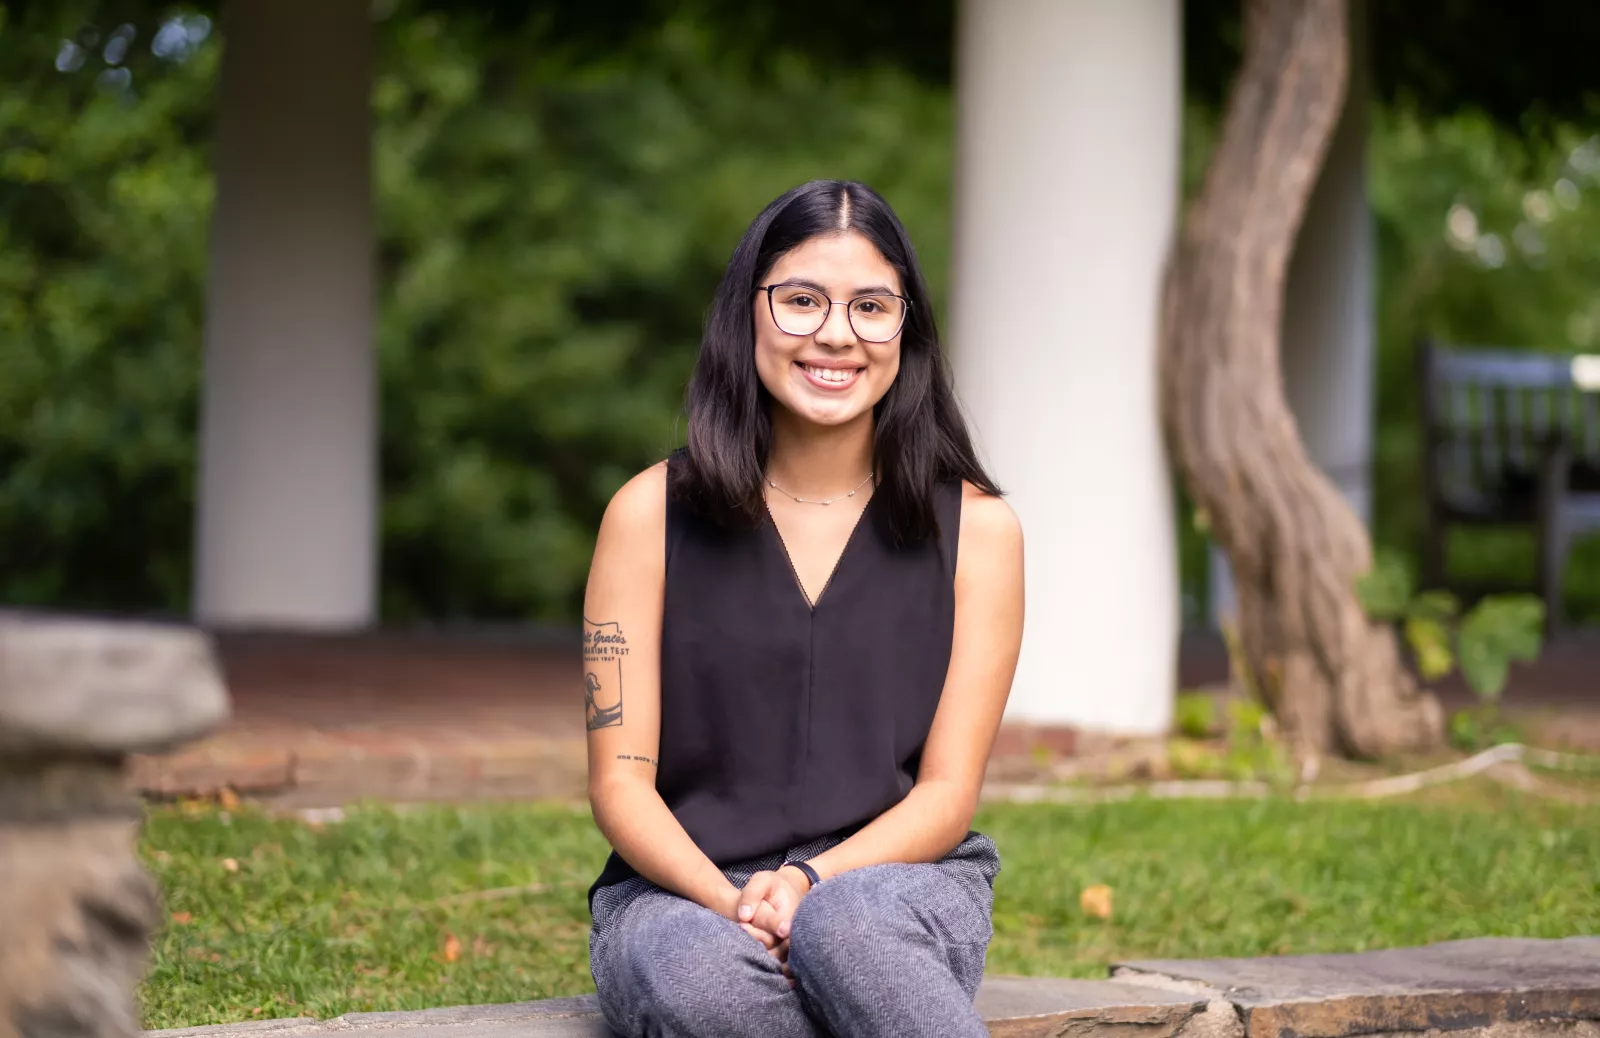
(782, 723)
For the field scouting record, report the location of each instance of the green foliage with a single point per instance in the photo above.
(1195, 714)
(1191, 758)
(552, 236)
(1499, 630)
(1254, 749)
(1481, 727)
(1494, 634)
(1248, 748)
(104, 198)
(551, 231)
(552, 221)
(1385, 590)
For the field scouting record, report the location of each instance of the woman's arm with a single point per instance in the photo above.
(936, 815)
(622, 682)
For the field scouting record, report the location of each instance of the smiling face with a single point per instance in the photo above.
(831, 376)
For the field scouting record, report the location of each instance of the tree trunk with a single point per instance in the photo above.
(1334, 679)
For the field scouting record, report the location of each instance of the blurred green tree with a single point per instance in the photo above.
(105, 188)
(551, 236)
(558, 188)
(551, 229)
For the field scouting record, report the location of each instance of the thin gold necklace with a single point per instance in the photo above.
(809, 501)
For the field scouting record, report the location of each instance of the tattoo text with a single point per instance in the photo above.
(603, 650)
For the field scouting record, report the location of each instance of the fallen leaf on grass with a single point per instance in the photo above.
(452, 947)
(230, 864)
(1096, 901)
(182, 918)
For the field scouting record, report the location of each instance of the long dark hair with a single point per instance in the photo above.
(920, 438)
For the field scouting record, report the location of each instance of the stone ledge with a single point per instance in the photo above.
(290, 1024)
(1486, 988)
(1451, 986)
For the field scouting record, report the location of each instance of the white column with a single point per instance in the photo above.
(1069, 114)
(286, 515)
(1329, 318)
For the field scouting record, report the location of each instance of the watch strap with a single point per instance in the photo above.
(805, 870)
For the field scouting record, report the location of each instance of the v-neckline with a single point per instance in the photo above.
(783, 546)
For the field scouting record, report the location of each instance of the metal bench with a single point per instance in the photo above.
(1510, 437)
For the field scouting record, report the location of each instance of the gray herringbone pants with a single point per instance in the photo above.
(885, 950)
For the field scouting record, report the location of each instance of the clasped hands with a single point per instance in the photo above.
(765, 909)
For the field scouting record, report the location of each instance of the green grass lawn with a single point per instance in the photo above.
(273, 917)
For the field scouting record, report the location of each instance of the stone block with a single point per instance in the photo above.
(1455, 986)
(93, 686)
(284, 1028)
(1025, 1007)
(510, 1012)
(75, 913)
(76, 909)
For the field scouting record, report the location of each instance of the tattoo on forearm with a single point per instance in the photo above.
(634, 756)
(604, 648)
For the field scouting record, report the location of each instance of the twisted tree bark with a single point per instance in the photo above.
(1334, 679)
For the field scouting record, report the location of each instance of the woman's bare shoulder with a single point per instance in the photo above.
(988, 523)
(638, 510)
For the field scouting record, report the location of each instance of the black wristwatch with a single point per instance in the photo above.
(805, 870)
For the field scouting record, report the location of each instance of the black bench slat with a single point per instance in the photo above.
(1514, 429)
(1509, 436)
(1590, 437)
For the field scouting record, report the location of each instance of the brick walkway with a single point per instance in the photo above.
(322, 720)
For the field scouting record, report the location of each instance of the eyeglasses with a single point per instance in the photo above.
(798, 310)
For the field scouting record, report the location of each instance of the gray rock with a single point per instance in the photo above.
(586, 1026)
(286, 1026)
(509, 1012)
(1219, 1019)
(94, 686)
(76, 908)
(1024, 1007)
(76, 912)
(1520, 1029)
(462, 1022)
(1453, 986)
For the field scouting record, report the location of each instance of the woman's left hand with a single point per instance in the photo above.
(768, 902)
